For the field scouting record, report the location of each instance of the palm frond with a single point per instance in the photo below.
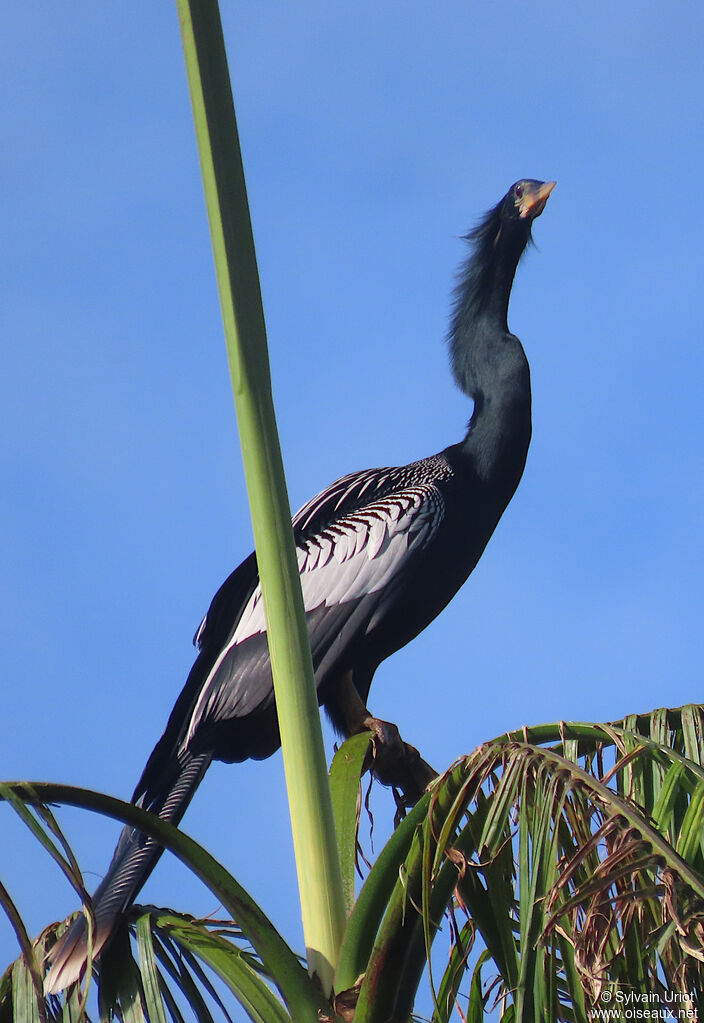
(587, 842)
(565, 862)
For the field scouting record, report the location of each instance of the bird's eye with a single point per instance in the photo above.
(519, 191)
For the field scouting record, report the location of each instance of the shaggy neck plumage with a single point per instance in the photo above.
(488, 362)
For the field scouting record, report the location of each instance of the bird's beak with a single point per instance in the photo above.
(532, 203)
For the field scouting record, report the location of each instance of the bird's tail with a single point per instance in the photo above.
(133, 861)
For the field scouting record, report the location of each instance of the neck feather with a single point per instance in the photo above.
(484, 281)
(488, 362)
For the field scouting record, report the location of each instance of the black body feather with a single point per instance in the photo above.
(381, 553)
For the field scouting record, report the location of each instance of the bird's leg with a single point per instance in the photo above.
(396, 763)
(393, 762)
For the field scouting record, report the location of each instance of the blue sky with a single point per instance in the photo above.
(373, 138)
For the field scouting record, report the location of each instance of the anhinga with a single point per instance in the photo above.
(380, 554)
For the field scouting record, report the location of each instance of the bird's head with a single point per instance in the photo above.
(526, 200)
(506, 227)
(498, 242)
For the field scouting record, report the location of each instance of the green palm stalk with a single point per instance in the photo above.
(317, 861)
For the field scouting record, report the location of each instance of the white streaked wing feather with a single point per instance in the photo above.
(375, 541)
(373, 544)
(325, 542)
(367, 483)
(309, 556)
(361, 533)
(252, 619)
(344, 545)
(199, 632)
(377, 534)
(394, 510)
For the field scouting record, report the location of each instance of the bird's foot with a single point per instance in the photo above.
(396, 763)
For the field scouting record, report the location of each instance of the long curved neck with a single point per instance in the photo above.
(498, 379)
(488, 362)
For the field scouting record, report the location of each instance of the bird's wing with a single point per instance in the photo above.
(348, 494)
(227, 604)
(230, 600)
(352, 541)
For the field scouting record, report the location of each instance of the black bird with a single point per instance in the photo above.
(380, 553)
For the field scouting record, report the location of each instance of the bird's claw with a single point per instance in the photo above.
(396, 763)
